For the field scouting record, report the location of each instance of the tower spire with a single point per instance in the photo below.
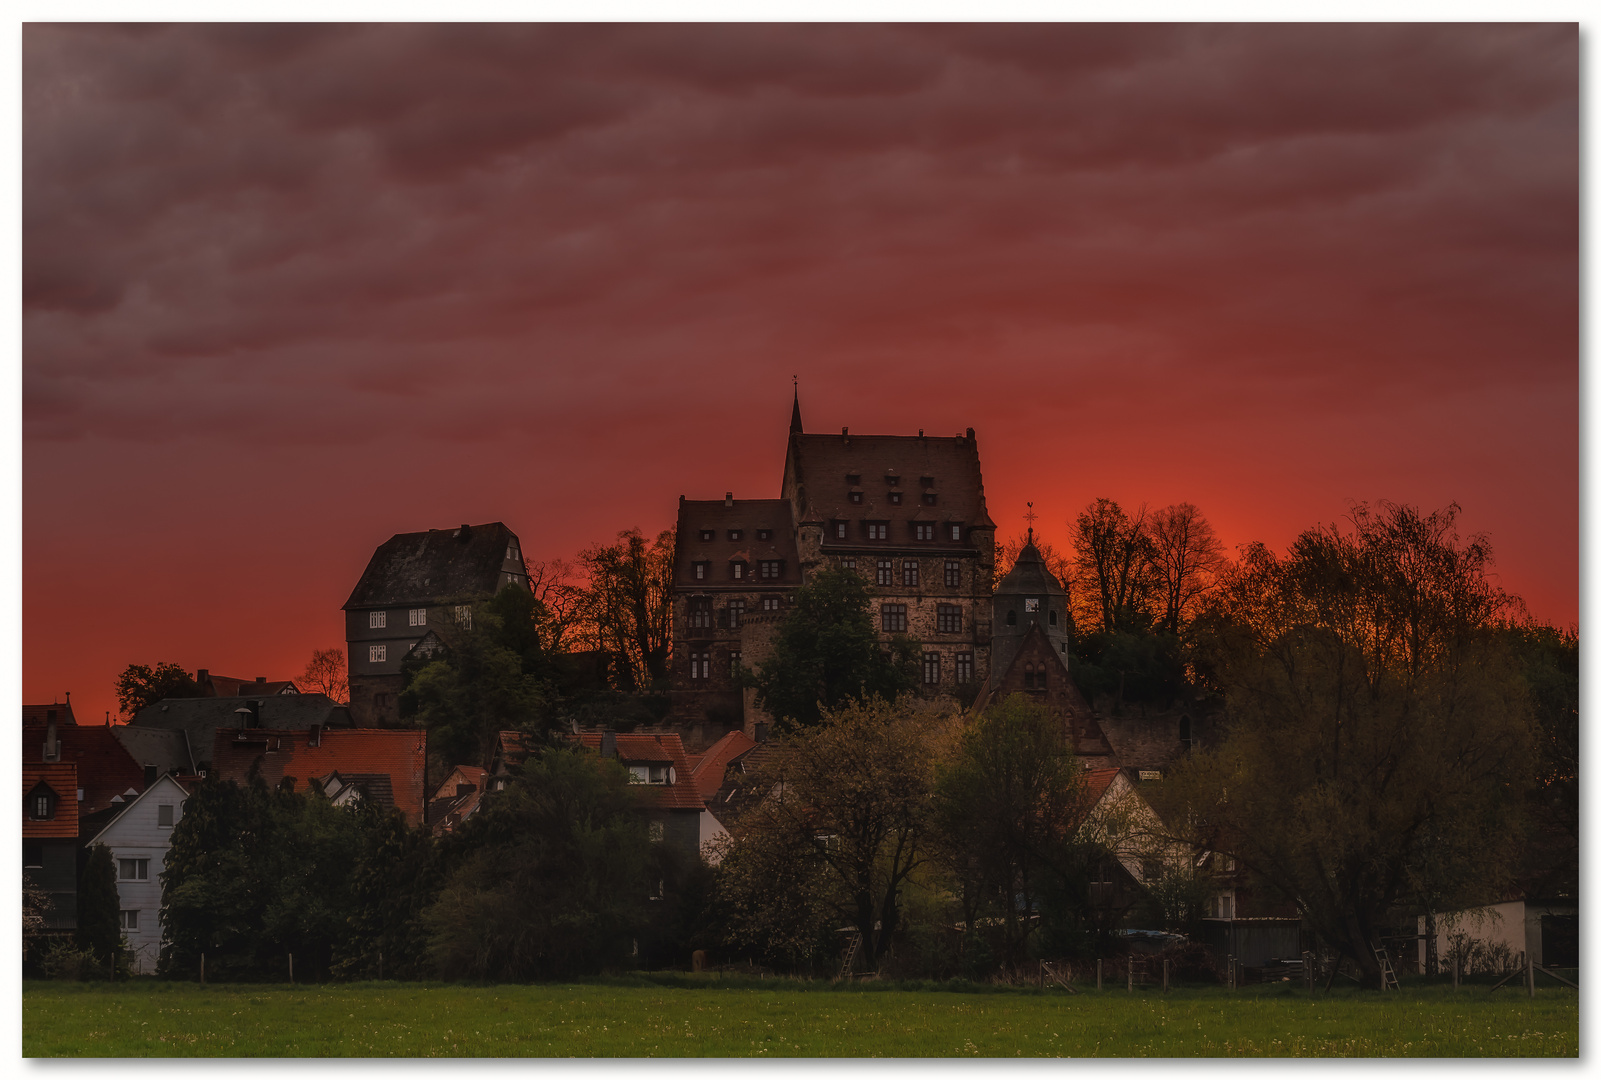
(794, 414)
(1030, 517)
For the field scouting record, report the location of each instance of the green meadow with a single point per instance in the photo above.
(702, 1017)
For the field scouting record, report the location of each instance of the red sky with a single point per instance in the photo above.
(289, 291)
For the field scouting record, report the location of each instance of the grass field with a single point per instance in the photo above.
(682, 1017)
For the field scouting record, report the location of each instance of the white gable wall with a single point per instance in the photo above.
(136, 834)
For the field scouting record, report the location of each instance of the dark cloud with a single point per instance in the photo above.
(563, 273)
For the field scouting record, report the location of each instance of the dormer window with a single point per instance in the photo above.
(708, 534)
(650, 774)
(839, 530)
(42, 803)
(511, 553)
(764, 534)
(772, 568)
(891, 479)
(737, 569)
(895, 498)
(928, 481)
(736, 535)
(924, 532)
(956, 532)
(701, 570)
(856, 497)
(877, 530)
(853, 478)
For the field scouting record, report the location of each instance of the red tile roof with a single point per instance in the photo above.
(399, 754)
(40, 714)
(61, 778)
(447, 809)
(1096, 783)
(713, 765)
(682, 794)
(105, 768)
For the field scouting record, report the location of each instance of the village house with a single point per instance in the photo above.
(200, 718)
(50, 837)
(385, 767)
(210, 685)
(414, 585)
(139, 838)
(457, 798)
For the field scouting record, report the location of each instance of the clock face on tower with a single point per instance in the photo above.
(1031, 604)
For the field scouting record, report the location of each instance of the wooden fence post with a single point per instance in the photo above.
(1529, 966)
(202, 969)
(1131, 974)
(1097, 973)
(380, 965)
(1164, 975)
(1456, 969)
(291, 969)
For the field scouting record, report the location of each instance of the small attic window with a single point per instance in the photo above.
(895, 498)
(891, 479)
(856, 497)
(708, 534)
(764, 534)
(41, 803)
(853, 478)
(928, 481)
(736, 535)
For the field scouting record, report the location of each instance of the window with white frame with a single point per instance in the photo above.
(737, 568)
(886, 571)
(736, 535)
(733, 663)
(948, 619)
(700, 612)
(769, 603)
(839, 530)
(931, 669)
(708, 534)
(953, 574)
(417, 616)
(736, 612)
(924, 530)
(764, 534)
(699, 665)
(128, 920)
(377, 620)
(956, 532)
(895, 498)
(877, 530)
(133, 869)
(910, 569)
(377, 654)
(848, 564)
(772, 568)
(702, 569)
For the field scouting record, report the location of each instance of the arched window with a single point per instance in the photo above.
(1053, 616)
(1028, 676)
(41, 803)
(1011, 618)
(1039, 678)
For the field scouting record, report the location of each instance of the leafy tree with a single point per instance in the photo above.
(1008, 805)
(1379, 736)
(627, 609)
(487, 679)
(99, 911)
(327, 673)
(846, 822)
(1549, 660)
(140, 686)
(550, 879)
(395, 877)
(827, 654)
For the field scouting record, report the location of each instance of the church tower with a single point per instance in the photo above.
(1029, 595)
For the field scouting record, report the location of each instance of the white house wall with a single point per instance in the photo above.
(135, 834)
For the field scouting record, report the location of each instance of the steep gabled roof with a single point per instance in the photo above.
(398, 754)
(1029, 574)
(228, 686)
(818, 467)
(747, 515)
(61, 778)
(40, 714)
(201, 718)
(165, 783)
(105, 768)
(447, 808)
(654, 749)
(440, 566)
(713, 764)
(165, 748)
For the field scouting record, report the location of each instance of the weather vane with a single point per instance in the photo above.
(1030, 517)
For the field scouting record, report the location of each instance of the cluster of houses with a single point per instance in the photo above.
(906, 512)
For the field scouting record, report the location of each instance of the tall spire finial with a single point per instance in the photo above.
(794, 415)
(1030, 516)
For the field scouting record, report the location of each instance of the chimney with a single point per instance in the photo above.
(728, 498)
(761, 731)
(608, 744)
(202, 676)
(261, 680)
(52, 745)
(464, 532)
(314, 737)
(969, 433)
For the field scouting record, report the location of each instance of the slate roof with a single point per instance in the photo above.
(748, 516)
(739, 791)
(105, 769)
(397, 754)
(62, 778)
(201, 718)
(165, 748)
(1030, 575)
(713, 764)
(40, 714)
(439, 566)
(228, 686)
(655, 749)
(817, 471)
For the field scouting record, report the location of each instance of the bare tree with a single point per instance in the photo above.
(327, 673)
(1055, 561)
(555, 585)
(1186, 558)
(1112, 565)
(627, 608)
